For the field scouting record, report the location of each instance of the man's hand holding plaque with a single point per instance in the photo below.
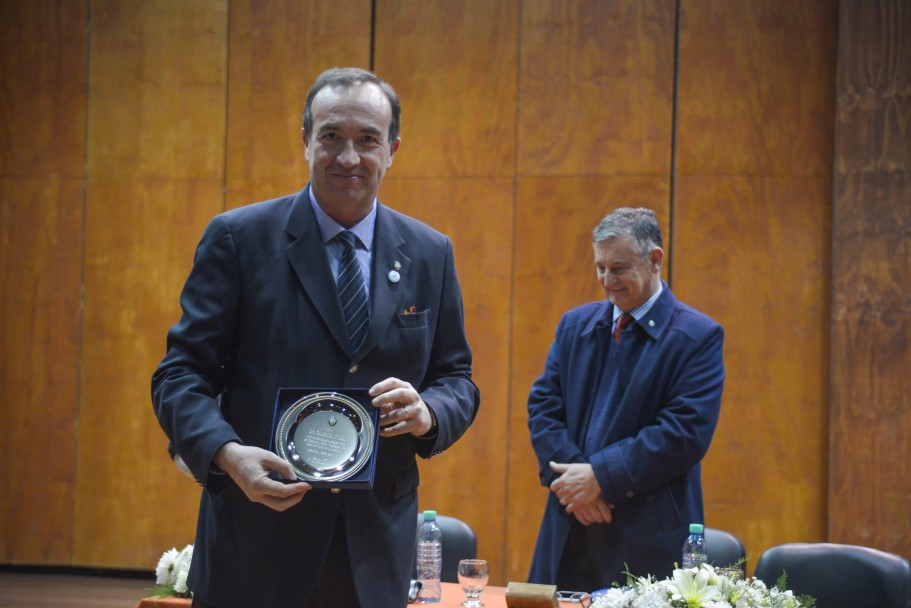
(401, 409)
(252, 468)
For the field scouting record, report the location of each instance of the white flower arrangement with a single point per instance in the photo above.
(701, 587)
(171, 573)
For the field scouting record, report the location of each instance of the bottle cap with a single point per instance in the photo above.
(697, 528)
(430, 515)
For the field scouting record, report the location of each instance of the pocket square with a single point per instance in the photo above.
(411, 310)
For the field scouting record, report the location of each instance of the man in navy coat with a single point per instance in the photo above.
(261, 311)
(621, 417)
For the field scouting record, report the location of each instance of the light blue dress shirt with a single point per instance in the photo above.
(363, 230)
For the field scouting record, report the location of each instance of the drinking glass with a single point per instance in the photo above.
(735, 574)
(473, 575)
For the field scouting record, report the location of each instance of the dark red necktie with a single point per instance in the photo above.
(624, 320)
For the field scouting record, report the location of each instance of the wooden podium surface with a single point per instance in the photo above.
(452, 597)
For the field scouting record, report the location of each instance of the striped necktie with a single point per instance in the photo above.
(352, 292)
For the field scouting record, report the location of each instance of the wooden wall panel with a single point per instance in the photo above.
(870, 431)
(750, 243)
(595, 107)
(595, 87)
(874, 67)
(755, 87)
(277, 49)
(156, 122)
(767, 287)
(42, 154)
(870, 434)
(453, 64)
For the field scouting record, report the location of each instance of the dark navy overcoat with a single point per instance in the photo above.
(664, 412)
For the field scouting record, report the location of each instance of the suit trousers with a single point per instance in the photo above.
(335, 584)
(580, 565)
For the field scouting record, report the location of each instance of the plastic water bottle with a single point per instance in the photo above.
(694, 554)
(430, 559)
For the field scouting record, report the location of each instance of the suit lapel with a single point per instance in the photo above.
(308, 259)
(385, 294)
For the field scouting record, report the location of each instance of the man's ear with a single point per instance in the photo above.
(392, 150)
(655, 256)
(306, 141)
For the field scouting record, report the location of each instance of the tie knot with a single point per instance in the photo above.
(624, 320)
(348, 239)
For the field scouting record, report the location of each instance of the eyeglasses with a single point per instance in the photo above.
(574, 597)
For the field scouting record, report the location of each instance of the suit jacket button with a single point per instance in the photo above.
(630, 494)
(353, 369)
(335, 490)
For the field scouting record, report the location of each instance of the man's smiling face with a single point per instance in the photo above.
(349, 149)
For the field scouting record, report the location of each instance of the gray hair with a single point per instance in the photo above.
(347, 77)
(640, 225)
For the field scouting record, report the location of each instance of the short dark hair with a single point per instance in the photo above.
(346, 77)
(641, 225)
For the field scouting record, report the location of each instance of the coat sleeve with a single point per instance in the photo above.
(187, 384)
(551, 438)
(447, 387)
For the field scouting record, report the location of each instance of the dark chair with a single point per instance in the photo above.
(724, 549)
(839, 576)
(459, 542)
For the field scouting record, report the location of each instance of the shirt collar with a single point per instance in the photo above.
(641, 310)
(329, 228)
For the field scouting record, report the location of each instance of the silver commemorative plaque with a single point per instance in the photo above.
(325, 437)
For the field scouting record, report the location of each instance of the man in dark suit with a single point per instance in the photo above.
(621, 417)
(261, 311)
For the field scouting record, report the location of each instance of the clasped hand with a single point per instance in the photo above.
(578, 491)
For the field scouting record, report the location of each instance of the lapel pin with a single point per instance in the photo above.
(394, 276)
(651, 323)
